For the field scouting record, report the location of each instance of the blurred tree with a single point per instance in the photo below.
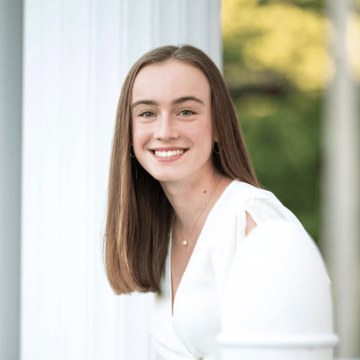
(272, 41)
(276, 67)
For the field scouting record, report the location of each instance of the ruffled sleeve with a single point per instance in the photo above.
(263, 209)
(263, 206)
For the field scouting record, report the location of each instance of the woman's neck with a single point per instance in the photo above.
(188, 197)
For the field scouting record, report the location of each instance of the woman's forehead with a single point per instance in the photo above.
(169, 80)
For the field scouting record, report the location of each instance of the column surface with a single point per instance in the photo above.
(10, 175)
(76, 56)
(340, 242)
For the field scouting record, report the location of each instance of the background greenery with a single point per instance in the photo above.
(276, 67)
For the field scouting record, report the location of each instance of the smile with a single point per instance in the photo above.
(168, 154)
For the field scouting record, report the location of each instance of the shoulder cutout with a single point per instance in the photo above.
(250, 223)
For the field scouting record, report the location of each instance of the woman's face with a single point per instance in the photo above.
(171, 120)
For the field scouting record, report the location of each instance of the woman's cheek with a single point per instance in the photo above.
(139, 138)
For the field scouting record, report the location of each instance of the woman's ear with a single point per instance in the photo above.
(214, 131)
(215, 135)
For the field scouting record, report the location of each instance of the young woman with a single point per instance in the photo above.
(182, 195)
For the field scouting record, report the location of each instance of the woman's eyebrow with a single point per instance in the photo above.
(187, 98)
(174, 102)
(145, 102)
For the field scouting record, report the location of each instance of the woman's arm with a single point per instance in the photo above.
(250, 223)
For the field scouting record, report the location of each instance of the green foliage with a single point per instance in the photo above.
(279, 116)
(314, 5)
(279, 37)
(282, 135)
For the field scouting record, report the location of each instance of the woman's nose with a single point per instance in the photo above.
(165, 129)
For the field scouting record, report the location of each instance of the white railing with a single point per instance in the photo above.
(278, 300)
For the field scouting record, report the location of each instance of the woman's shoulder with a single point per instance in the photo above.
(247, 191)
(261, 204)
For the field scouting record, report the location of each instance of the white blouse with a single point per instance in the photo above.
(189, 333)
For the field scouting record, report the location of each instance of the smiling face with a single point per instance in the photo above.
(171, 121)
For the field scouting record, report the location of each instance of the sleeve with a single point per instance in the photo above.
(263, 206)
(263, 209)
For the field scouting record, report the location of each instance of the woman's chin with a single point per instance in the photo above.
(167, 177)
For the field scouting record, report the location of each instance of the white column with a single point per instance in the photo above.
(10, 175)
(76, 56)
(340, 241)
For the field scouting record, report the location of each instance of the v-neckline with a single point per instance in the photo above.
(192, 254)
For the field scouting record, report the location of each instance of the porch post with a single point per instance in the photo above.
(340, 241)
(10, 175)
(76, 56)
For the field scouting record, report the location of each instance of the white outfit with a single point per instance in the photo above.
(189, 333)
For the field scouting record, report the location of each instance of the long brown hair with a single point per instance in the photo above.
(139, 214)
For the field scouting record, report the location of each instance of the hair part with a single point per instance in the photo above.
(139, 215)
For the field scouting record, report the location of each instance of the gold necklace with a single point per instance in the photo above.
(185, 242)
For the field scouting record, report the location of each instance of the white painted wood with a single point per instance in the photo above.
(277, 304)
(10, 175)
(147, 24)
(340, 242)
(76, 56)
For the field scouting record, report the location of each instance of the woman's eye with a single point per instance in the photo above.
(146, 114)
(187, 112)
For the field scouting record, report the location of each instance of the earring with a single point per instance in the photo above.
(216, 152)
(130, 153)
(133, 165)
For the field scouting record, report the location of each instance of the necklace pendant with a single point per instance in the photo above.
(185, 242)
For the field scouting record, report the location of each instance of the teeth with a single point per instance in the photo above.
(169, 153)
